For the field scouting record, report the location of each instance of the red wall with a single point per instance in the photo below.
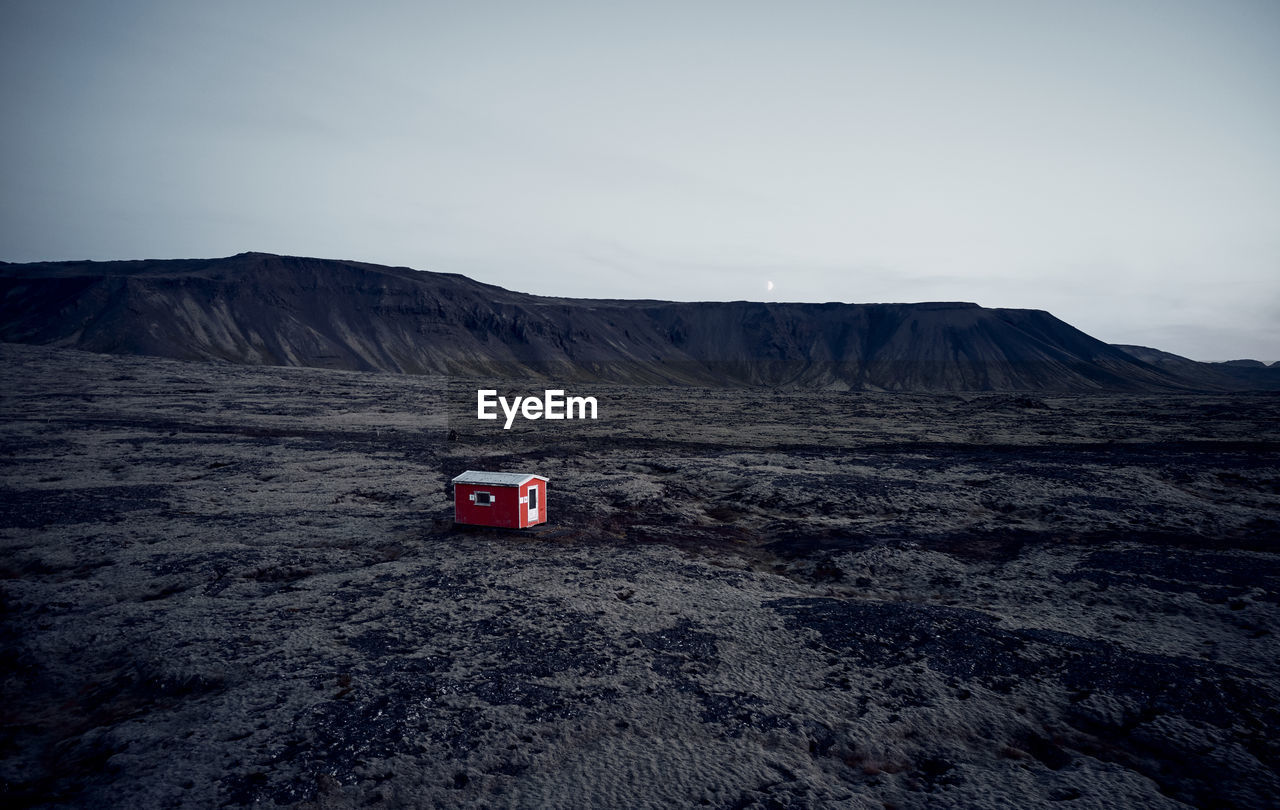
(506, 511)
(542, 502)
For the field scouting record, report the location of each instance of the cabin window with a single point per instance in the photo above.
(482, 498)
(533, 498)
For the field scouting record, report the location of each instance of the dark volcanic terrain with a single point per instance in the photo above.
(227, 585)
(261, 309)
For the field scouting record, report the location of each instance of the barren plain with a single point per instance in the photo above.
(228, 586)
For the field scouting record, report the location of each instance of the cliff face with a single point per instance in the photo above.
(263, 309)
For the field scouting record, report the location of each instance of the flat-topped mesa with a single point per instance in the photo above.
(262, 309)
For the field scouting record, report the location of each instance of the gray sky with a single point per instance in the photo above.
(1116, 163)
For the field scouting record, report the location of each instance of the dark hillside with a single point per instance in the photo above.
(262, 309)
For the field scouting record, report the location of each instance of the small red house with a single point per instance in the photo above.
(506, 500)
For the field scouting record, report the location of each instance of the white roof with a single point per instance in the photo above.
(500, 479)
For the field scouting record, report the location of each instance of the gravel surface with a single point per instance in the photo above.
(226, 586)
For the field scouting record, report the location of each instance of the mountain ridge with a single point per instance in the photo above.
(264, 309)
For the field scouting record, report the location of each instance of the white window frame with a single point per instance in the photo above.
(475, 498)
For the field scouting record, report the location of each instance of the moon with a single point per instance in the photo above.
(769, 285)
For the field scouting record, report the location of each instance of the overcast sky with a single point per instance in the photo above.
(1116, 163)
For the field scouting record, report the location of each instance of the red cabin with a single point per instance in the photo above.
(506, 500)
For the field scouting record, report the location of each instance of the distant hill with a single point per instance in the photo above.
(262, 309)
(1231, 375)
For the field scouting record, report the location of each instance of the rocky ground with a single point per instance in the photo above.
(226, 586)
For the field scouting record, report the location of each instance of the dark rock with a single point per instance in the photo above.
(262, 309)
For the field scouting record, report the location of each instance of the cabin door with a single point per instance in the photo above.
(533, 503)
